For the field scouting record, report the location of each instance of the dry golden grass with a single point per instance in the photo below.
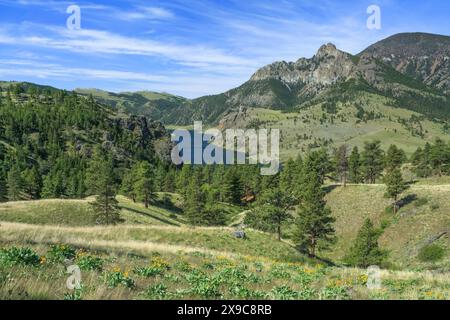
(405, 233)
(147, 239)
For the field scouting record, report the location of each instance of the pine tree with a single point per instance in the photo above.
(342, 164)
(53, 185)
(159, 178)
(287, 176)
(421, 161)
(32, 182)
(354, 166)
(183, 178)
(319, 163)
(169, 181)
(14, 184)
(395, 157)
(365, 251)
(213, 214)
(128, 181)
(194, 202)
(101, 182)
(271, 211)
(395, 186)
(231, 188)
(439, 156)
(3, 188)
(314, 225)
(372, 161)
(144, 185)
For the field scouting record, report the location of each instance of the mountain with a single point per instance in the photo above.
(335, 97)
(425, 57)
(411, 70)
(395, 91)
(288, 86)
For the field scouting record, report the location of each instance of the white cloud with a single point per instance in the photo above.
(184, 84)
(47, 70)
(140, 13)
(95, 41)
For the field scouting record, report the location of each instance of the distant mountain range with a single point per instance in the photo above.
(411, 69)
(396, 91)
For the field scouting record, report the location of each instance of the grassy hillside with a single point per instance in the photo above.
(146, 239)
(153, 104)
(425, 214)
(79, 213)
(153, 255)
(369, 117)
(64, 212)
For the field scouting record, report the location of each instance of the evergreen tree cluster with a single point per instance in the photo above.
(432, 159)
(50, 141)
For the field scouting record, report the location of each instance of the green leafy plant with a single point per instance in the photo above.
(61, 252)
(89, 263)
(283, 293)
(76, 294)
(116, 277)
(156, 292)
(19, 256)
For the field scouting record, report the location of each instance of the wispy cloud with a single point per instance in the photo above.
(47, 70)
(144, 13)
(189, 85)
(97, 41)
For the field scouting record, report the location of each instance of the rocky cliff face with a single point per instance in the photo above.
(328, 66)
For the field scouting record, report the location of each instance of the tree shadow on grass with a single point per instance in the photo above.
(410, 198)
(331, 188)
(146, 214)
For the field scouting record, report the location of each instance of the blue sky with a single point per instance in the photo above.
(190, 48)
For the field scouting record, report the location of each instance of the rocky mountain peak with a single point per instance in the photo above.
(327, 67)
(327, 50)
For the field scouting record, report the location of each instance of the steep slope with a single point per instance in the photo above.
(425, 57)
(423, 217)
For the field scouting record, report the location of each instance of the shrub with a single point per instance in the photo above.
(283, 293)
(183, 266)
(76, 294)
(19, 256)
(385, 223)
(89, 263)
(307, 294)
(431, 253)
(156, 292)
(116, 277)
(279, 272)
(335, 293)
(61, 252)
(434, 206)
(389, 210)
(157, 267)
(149, 272)
(247, 294)
(203, 285)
